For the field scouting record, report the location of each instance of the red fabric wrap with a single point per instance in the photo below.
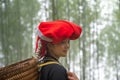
(57, 31)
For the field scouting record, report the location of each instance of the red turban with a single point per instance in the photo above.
(56, 31)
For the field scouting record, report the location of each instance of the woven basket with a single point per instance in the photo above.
(23, 70)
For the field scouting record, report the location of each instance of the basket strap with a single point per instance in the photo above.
(47, 63)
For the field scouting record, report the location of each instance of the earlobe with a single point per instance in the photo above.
(49, 45)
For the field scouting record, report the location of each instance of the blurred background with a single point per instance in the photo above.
(94, 56)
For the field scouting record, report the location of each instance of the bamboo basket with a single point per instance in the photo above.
(23, 70)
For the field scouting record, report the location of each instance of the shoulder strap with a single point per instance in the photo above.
(47, 63)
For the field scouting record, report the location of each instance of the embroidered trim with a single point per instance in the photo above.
(42, 36)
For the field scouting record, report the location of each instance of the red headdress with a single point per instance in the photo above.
(55, 32)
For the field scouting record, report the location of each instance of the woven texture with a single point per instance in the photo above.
(23, 70)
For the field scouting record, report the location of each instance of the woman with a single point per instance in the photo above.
(54, 38)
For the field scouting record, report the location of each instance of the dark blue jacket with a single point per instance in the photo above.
(53, 72)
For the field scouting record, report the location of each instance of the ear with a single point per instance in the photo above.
(49, 45)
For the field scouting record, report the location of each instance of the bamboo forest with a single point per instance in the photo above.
(94, 56)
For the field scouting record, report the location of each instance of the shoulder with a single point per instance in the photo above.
(54, 68)
(53, 72)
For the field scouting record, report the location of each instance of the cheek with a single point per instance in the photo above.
(61, 47)
(58, 49)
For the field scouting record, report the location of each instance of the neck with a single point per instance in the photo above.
(52, 56)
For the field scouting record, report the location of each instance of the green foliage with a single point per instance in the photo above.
(16, 25)
(109, 45)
